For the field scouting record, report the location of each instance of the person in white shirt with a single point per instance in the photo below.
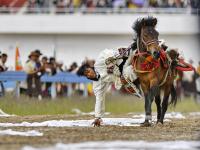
(109, 68)
(31, 69)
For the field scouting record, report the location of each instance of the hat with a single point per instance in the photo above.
(33, 54)
(38, 52)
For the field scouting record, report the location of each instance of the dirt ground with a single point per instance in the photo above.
(177, 129)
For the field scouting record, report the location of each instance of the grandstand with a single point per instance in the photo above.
(98, 6)
(85, 27)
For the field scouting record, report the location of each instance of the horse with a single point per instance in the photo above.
(151, 70)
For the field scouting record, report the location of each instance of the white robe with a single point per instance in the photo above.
(100, 87)
(128, 70)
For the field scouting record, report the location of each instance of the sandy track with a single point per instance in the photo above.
(177, 129)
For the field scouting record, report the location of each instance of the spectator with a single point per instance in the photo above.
(59, 66)
(3, 60)
(60, 86)
(38, 64)
(32, 70)
(198, 69)
(135, 3)
(39, 74)
(3, 67)
(102, 4)
(44, 61)
(76, 3)
(61, 5)
(198, 84)
(44, 69)
(153, 3)
(195, 4)
(32, 6)
(73, 68)
(52, 65)
(50, 69)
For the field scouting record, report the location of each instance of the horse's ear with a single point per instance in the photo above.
(155, 21)
(178, 55)
(143, 22)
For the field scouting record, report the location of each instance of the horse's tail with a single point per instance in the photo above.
(174, 97)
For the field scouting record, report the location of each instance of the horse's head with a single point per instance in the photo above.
(147, 36)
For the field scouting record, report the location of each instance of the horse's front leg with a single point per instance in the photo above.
(148, 102)
(158, 105)
(148, 115)
(149, 96)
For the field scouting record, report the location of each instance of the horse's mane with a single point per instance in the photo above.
(141, 22)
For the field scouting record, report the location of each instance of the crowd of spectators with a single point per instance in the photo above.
(37, 65)
(63, 6)
(95, 6)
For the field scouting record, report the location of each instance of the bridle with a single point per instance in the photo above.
(146, 43)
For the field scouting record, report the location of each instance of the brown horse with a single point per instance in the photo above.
(158, 76)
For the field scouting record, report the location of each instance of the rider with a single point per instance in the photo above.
(112, 66)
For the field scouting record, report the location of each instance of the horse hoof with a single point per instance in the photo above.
(159, 123)
(145, 124)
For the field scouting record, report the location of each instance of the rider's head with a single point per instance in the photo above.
(86, 70)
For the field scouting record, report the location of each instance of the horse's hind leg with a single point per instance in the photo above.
(158, 105)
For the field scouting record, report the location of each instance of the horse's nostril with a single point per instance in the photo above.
(149, 52)
(156, 54)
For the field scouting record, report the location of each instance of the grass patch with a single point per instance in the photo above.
(114, 104)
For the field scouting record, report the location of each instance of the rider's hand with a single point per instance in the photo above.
(110, 60)
(123, 80)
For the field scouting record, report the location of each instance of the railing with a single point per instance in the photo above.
(62, 77)
(54, 10)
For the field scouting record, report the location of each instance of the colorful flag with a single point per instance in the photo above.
(18, 63)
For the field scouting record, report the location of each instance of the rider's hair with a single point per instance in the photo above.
(82, 69)
(146, 21)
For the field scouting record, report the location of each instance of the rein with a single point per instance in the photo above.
(142, 71)
(135, 62)
(146, 43)
(168, 70)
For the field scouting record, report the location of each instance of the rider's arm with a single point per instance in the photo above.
(129, 60)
